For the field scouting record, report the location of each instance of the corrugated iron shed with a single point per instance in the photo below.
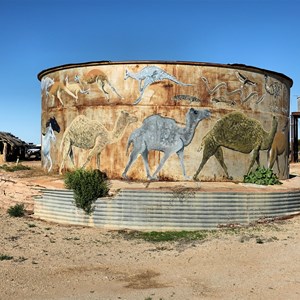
(11, 147)
(6, 137)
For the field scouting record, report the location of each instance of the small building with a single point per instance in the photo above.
(11, 147)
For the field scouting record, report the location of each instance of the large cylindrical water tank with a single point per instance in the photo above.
(169, 120)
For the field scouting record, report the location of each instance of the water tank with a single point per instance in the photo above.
(173, 121)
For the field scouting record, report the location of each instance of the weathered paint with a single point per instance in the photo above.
(100, 91)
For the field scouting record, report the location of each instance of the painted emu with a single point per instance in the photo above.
(237, 132)
(163, 134)
(47, 138)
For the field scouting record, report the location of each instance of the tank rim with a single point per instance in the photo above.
(190, 63)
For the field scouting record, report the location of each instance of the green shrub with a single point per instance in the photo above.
(170, 236)
(17, 210)
(5, 257)
(13, 168)
(88, 186)
(262, 176)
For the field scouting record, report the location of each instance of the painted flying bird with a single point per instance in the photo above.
(244, 80)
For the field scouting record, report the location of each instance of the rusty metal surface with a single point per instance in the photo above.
(100, 92)
(106, 62)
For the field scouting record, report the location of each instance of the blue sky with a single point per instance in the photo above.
(40, 34)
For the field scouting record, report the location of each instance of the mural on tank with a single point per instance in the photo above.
(280, 146)
(237, 132)
(90, 134)
(165, 135)
(148, 76)
(245, 92)
(188, 98)
(96, 76)
(54, 89)
(241, 103)
(241, 91)
(75, 87)
(47, 139)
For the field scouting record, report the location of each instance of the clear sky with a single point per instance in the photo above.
(40, 34)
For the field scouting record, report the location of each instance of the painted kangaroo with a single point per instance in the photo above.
(75, 87)
(237, 132)
(163, 134)
(245, 82)
(149, 75)
(55, 88)
(85, 133)
(46, 83)
(100, 78)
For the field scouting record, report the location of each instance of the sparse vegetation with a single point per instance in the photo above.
(262, 176)
(246, 233)
(88, 186)
(17, 210)
(5, 257)
(170, 236)
(13, 168)
(31, 225)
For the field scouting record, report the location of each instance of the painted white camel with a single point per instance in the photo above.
(163, 134)
(149, 75)
(85, 133)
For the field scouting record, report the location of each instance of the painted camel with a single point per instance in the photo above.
(85, 133)
(279, 146)
(163, 134)
(237, 132)
(150, 75)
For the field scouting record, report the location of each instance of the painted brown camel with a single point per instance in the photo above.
(237, 132)
(85, 133)
(279, 146)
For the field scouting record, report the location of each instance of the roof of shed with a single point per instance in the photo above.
(7, 137)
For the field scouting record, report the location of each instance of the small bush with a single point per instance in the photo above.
(88, 186)
(13, 168)
(262, 176)
(17, 210)
(5, 257)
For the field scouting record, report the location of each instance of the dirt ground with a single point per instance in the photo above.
(40, 260)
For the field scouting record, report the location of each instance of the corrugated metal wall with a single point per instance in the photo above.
(167, 210)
